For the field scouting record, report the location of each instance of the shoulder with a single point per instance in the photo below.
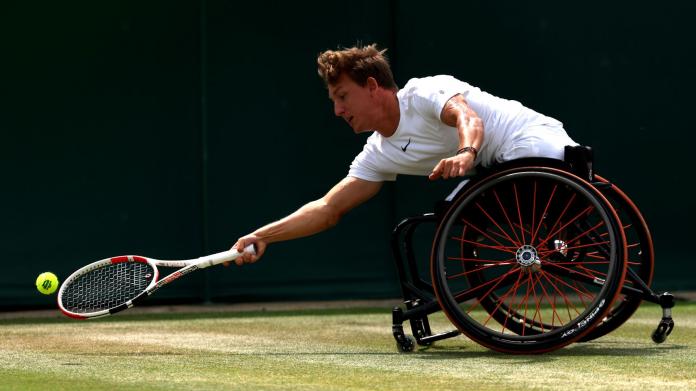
(427, 83)
(430, 93)
(433, 88)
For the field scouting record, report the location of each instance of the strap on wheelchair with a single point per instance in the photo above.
(580, 158)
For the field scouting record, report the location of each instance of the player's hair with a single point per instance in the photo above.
(359, 63)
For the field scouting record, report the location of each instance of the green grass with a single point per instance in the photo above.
(323, 350)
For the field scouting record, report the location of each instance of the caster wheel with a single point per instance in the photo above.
(663, 330)
(658, 337)
(406, 345)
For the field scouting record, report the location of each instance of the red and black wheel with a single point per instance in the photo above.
(528, 260)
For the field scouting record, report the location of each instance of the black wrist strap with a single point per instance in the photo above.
(468, 149)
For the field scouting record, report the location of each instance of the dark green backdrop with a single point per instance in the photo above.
(169, 129)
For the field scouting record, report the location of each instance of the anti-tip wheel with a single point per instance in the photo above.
(658, 337)
(663, 330)
(406, 345)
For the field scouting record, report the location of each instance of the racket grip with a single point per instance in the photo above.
(250, 249)
(225, 256)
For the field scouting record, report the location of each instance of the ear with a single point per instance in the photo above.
(372, 84)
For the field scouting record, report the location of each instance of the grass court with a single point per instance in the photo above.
(322, 349)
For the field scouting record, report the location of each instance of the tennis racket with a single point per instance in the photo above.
(115, 284)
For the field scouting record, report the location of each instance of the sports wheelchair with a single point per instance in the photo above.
(528, 257)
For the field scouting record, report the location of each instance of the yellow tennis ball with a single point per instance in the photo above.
(47, 283)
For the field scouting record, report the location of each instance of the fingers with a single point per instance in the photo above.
(462, 171)
(437, 171)
(443, 169)
(453, 167)
(246, 257)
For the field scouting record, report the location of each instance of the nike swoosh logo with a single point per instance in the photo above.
(407, 144)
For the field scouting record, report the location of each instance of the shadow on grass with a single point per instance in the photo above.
(619, 351)
(600, 349)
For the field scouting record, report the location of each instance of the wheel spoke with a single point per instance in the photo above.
(546, 209)
(499, 248)
(543, 242)
(484, 267)
(470, 293)
(502, 299)
(519, 211)
(562, 294)
(507, 218)
(516, 243)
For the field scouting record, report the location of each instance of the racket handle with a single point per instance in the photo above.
(225, 256)
(251, 249)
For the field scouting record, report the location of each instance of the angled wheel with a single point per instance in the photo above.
(641, 261)
(528, 260)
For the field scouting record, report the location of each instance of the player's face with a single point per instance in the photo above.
(353, 103)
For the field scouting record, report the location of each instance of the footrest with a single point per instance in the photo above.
(432, 338)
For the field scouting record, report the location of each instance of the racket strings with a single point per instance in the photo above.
(107, 287)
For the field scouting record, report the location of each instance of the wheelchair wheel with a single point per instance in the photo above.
(640, 264)
(641, 261)
(528, 260)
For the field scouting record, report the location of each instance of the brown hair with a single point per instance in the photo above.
(358, 63)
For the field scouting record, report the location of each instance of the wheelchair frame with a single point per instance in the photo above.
(420, 296)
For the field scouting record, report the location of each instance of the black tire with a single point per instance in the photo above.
(407, 345)
(483, 257)
(641, 261)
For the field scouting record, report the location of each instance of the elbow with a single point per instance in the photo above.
(332, 219)
(331, 215)
(322, 215)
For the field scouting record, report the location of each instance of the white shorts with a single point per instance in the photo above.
(537, 141)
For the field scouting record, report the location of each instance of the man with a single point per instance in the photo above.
(436, 126)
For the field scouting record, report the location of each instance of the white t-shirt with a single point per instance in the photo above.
(421, 140)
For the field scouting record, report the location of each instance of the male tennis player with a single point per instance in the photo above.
(436, 126)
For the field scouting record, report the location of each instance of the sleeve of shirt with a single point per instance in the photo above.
(432, 93)
(364, 166)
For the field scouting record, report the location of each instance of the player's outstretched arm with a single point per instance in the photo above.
(312, 218)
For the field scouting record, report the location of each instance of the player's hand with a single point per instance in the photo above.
(453, 167)
(242, 243)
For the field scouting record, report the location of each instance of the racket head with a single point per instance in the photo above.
(106, 286)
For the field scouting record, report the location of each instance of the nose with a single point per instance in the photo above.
(338, 109)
